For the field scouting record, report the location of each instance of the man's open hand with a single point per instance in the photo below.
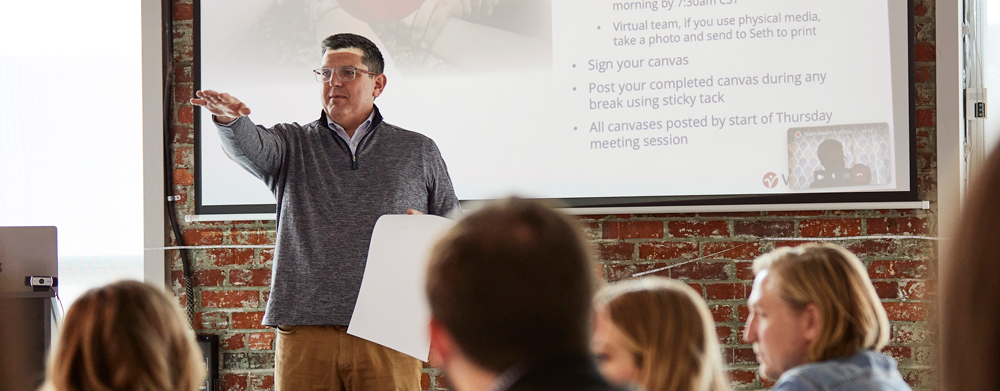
(225, 107)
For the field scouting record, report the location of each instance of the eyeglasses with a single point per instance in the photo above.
(345, 73)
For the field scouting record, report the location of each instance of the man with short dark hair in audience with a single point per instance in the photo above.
(510, 290)
(816, 322)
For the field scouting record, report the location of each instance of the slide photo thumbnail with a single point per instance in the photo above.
(839, 156)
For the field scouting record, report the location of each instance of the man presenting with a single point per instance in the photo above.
(332, 179)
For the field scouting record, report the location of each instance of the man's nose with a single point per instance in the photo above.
(750, 331)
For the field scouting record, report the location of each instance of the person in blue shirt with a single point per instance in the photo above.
(816, 322)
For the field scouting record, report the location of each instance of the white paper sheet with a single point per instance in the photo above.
(392, 309)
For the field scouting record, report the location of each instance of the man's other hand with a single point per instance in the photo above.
(225, 107)
(414, 212)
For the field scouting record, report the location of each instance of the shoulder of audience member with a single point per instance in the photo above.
(796, 379)
(864, 370)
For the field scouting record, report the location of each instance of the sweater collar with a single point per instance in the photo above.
(376, 119)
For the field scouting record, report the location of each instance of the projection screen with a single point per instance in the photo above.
(594, 102)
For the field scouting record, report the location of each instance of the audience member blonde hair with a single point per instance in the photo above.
(125, 336)
(836, 282)
(668, 330)
(969, 291)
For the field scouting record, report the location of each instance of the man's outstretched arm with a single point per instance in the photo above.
(257, 149)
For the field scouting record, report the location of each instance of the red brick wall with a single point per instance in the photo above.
(232, 284)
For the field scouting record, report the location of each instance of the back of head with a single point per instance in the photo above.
(670, 330)
(513, 283)
(969, 291)
(125, 336)
(372, 57)
(836, 282)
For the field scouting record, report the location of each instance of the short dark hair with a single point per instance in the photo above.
(513, 283)
(372, 57)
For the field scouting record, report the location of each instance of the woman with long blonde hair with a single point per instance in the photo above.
(125, 336)
(658, 334)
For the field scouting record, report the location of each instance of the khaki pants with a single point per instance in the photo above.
(327, 358)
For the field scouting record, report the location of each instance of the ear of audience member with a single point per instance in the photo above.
(658, 334)
(815, 319)
(510, 290)
(970, 294)
(125, 336)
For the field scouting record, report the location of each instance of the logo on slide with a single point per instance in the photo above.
(770, 180)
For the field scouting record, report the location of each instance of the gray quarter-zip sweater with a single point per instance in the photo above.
(328, 202)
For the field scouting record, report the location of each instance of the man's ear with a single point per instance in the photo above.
(380, 81)
(812, 322)
(442, 345)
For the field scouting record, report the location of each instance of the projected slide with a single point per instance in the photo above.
(587, 99)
